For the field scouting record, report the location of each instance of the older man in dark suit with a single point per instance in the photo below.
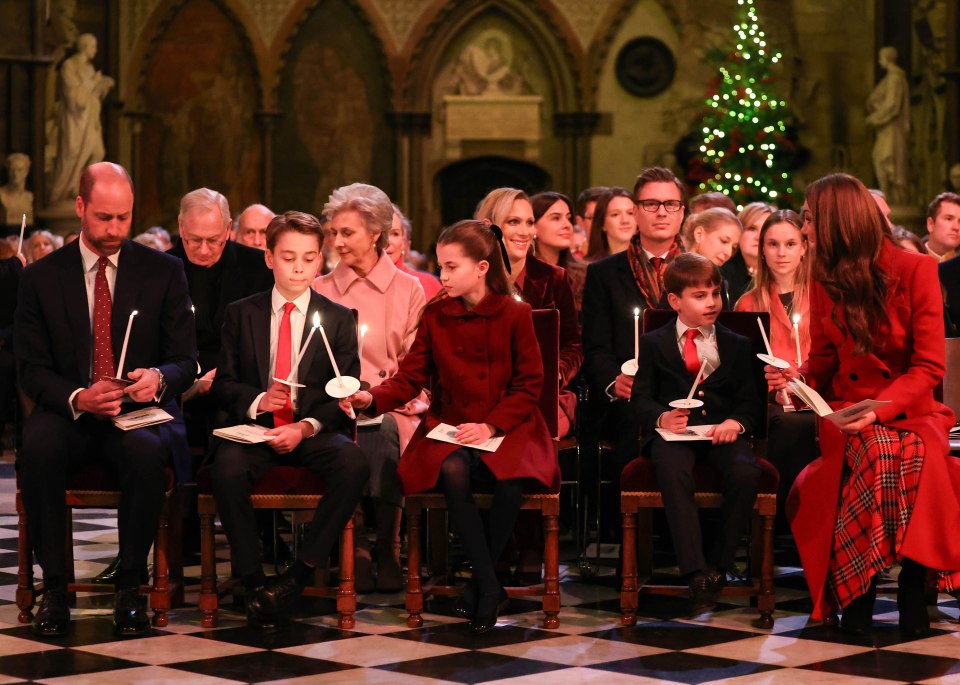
(72, 313)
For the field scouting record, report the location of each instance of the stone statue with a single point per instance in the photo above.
(14, 196)
(888, 110)
(82, 89)
(955, 178)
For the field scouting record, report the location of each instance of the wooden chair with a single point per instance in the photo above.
(640, 494)
(547, 325)
(285, 488)
(95, 487)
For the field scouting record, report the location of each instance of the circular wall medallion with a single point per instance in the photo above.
(645, 67)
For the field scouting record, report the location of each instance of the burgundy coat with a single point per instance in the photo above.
(545, 286)
(484, 366)
(907, 363)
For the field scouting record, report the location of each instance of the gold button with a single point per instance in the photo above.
(703, 412)
(700, 394)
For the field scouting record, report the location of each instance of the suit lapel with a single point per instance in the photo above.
(125, 296)
(260, 333)
(725, 351)
(230, 281)
(668, 345)
(74, 288)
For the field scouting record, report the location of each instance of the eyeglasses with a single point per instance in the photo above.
(652, 206)
(212, 243)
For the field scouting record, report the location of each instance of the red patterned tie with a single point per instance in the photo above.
(657, 262)
(103, 364)
(690, 356)
(282, 417)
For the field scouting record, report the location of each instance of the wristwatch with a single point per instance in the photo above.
(163, 383)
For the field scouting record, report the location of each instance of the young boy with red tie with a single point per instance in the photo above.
(262, 336)
(670, 358)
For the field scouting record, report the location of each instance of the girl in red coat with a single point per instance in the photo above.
(477, 350)
(884, 489)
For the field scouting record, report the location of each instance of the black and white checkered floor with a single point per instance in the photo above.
(589, 646)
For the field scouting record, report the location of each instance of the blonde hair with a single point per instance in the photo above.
(709, 220)
(496, 206)
(750, 212)
(371, 203)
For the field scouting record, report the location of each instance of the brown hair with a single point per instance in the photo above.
(689, 270)
(479, 243)
(901, 235)
(587, 196)
(299, 222)
(763, 279)
(934, 207)
(708, 220)
(699, 203)
(599, 247)
(850, 231)
(658, 174)
(541, 202)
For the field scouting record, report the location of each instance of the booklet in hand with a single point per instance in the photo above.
(245, 433)
(447, 433)
(141, 418)
(815, 401)
(691, 433)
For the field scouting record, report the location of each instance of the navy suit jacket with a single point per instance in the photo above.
(730, 392)
(950, 283)
(243, 371)
(52, 339)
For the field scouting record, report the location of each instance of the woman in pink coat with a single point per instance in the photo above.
(388, 304)
(477, 349)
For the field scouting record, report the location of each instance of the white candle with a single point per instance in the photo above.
(126, 339)
(23, 227)
(696, 381)
(326, 343)
(296, 364)
(363, 332)
(766, 342)
(796, 333)
(636, 334)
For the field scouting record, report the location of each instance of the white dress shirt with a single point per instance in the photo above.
(706, 344)
(298, 318)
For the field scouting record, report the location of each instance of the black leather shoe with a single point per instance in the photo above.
(267, 606)
(53, 615)
(703, 592)
(857, 618)
(108, 576)
(485, 618)
(466, 604)
(130, 613)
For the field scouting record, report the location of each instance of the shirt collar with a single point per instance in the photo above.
(302, 303)
(708, 332)
(649, 255)
(91, 258)
(380, 276)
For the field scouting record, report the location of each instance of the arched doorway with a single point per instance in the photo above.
(463, 184)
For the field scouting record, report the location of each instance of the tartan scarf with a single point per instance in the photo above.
(649, 280)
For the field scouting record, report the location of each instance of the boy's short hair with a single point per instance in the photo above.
(300, 222)
(689, 270)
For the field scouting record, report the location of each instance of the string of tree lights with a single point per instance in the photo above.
(746, 148)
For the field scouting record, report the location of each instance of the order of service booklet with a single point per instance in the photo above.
(815, 401)
(245, 433)
(691, 433)
(141, 418)
(447, 433)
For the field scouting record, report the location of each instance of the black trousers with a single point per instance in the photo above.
(55, 446)
(236, 468)
(740, 478)
(791, 445)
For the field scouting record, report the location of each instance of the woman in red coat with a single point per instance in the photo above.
(884, 489)
(476, 348)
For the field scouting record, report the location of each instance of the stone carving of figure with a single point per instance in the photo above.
(14, 196)
(82, 90)
(955, 177)
(888, 110)
(485, 67)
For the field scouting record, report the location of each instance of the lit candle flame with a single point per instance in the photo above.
(796, 319)
(316, 319)
(363, 330)
(636, 311)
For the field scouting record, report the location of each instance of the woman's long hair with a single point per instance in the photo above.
(541, 202)
(599, 247)
(479, 243)
(763, 278)
(849, 231)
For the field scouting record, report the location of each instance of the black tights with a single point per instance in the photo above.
(482, 550)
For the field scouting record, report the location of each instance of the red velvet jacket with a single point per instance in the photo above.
(484, 366)
(907, 363)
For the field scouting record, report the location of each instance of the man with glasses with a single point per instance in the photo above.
(615, 288)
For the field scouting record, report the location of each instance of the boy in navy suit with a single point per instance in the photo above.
(670, 358)
(262, 337)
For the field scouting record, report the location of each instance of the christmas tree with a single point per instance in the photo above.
(746, 147)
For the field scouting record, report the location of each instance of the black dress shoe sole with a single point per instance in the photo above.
(56, 631)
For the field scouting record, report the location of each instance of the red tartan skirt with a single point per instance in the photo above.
(880, 480)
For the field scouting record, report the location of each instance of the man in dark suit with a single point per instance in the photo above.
(9, 277)
(72, 314)
(617, 285)
(262, 337)
(950, 284)
(670, 360)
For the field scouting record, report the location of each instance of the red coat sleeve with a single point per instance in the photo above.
(928, 356)
(522, 395)
(823, 361)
